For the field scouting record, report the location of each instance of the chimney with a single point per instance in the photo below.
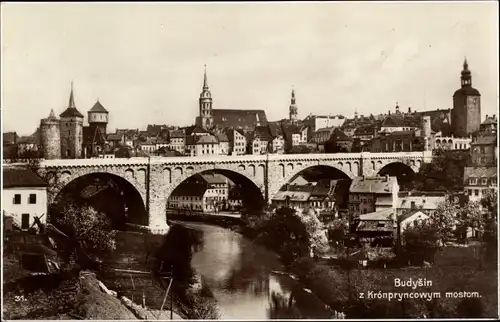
(409, 109)
(494, 117)
(486, 116)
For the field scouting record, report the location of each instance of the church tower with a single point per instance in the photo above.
(71, 127)
(466, 112)
(293, 108)
(205, 119)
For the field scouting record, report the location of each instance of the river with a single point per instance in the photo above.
(238, 271)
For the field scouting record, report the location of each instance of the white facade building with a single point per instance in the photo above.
(24, 196)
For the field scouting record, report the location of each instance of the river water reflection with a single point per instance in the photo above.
(240, 274)
(237, 271)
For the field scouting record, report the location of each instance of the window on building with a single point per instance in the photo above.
(17, 199)
(472, 181)
(412, 206)
(493, 181)
(32, 199)
(484, 181)
(476, 192)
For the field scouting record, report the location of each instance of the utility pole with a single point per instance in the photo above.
(171, 298)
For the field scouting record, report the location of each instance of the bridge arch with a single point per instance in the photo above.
(327, 171)
(404, 171)
(252, 194)
(114, 194)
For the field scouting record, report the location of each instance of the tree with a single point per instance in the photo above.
(338, 230)
(82, 222)
(443, 219)
(445, 172)
(421, 239)
(318, 240)
(468, 216)
(285, 233)
(489, 203)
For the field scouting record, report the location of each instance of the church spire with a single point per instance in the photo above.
(293, 111)
(71, 98)
(466, 65)
(205, 82)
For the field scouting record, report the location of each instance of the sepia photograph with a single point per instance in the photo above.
(331, 160)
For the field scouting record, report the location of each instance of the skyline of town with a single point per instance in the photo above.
(327, 79)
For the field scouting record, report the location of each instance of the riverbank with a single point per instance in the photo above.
(350, 291)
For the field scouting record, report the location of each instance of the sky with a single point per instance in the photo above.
(145, 61)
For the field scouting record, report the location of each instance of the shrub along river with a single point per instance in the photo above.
(242, 275)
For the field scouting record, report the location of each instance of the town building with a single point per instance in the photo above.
(320, 137)
(371, 194)
(177, 141)
(237, 141)
(484, 151)
(426, 202)
(479, 179)
(24, 196)
(202, 145)
(399, 141)
(207, 193)
(342, 141)
(260, 140)
(223, 143)
(450, 143)
(316, 122)
(466, 112)
(375, 225)
(489, 126)
(411, 218)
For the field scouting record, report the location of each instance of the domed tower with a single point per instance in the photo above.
(71, 126)
(50, 137)
(293, 110)
(466, 112)
(205, 120)
(98, 117)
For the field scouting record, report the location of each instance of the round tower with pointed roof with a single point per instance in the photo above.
(98, 116)
(71, 127)
(50, 137)
(466, 112)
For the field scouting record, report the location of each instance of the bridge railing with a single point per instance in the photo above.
(234, 158)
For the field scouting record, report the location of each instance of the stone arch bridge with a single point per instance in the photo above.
(155, 178)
